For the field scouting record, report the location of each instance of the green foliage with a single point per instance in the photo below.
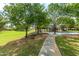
(57, 9)
(19, 15)
(23, 15)
(2, 22)
(66, 21)
(66, 14)
(72, 9)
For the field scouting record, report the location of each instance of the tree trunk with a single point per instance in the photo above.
(54, 28)
(26, 32)
(37, 29)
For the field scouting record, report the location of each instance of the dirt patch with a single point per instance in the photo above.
(71, 36)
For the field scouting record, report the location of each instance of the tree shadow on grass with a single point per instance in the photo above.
(68, 46)
(23, 47)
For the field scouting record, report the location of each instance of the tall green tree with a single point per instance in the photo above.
(40, 17)
(23, 15)
(56, 10)
(20, 15)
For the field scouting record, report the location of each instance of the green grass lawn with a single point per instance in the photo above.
(68, 46)
(11, 44)
(7, 36)
(23, 47)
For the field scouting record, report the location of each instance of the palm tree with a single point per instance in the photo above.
(56, 10)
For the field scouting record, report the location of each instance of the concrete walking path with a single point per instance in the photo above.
(49, 47)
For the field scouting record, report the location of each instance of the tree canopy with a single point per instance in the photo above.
(23, 15)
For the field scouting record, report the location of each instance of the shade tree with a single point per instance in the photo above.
(23, 15)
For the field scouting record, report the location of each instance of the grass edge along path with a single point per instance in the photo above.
(68, 46)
